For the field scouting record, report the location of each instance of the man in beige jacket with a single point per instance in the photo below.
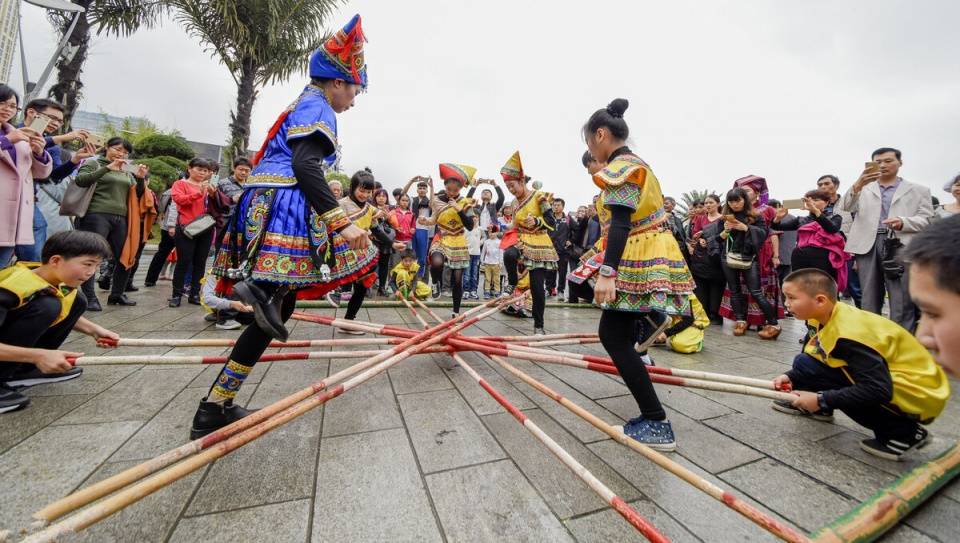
(882, 203)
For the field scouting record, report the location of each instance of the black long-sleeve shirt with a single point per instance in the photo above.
(871, 381)
(308, 155)
(830, 223)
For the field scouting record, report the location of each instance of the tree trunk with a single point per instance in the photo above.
(68, 86)
(240, 119)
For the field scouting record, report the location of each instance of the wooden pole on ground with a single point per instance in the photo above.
(98, 490)
(212, 342)
(602, 490)
(882, 511)
(151, 360)
(737, 504)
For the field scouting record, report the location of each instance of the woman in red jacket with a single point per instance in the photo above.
(191, 196)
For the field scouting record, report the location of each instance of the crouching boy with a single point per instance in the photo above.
(869, 367)
(39, 306)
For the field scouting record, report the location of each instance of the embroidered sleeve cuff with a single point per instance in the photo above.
(336, 219)
(304, 130)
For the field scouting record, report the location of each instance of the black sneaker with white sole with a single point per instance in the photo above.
(36, 377)
(11, 400)
(894, 449)
(783, 406)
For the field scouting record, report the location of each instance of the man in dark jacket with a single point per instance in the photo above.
(562, 241)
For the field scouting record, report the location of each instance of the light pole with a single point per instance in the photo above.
(31, 90)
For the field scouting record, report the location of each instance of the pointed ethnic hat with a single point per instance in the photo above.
(513, 169)
(460, 172)
(341, 56)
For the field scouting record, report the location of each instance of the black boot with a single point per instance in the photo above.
(120, 299)
(104, 282)
(213, 416)
(131, 287)
(93, 304)
(174, 302)
(266, 308)
(193, 299)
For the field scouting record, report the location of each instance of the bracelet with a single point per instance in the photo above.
(607, 271)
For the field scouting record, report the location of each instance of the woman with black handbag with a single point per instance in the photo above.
(112, 178)
(744, 232)
(195, 227)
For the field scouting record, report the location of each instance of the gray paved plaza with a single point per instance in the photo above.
(421, 453)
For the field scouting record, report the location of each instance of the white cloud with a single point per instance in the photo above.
(718, 90)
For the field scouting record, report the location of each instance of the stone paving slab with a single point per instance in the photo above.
(563, 491)
(19, 425)
(493, 502)
(288, 522)
(369, 489)
(419, 374)
(445, 432)
(481, 402)
(608, 526)
(53, 462)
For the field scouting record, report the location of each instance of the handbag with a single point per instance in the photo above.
(737, 261)
(76, 200)
(199, 226)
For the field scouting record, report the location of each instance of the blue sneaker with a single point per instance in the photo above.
(656, 434)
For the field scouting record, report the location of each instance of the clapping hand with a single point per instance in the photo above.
(530, 222)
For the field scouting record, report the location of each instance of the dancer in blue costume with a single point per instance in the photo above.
(289, 233)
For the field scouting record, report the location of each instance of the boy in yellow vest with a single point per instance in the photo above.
(685, 335)
(869, 367)
(934, 256)
(39, 306)
(405, 277)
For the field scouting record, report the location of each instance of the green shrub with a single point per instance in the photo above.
(162, 175)
(179, 165)
(158, 145)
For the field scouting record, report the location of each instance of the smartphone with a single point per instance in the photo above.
(94, 140)
(793, 204)
(39, 123)
(130, 167)
(729, 218)
(871, 167)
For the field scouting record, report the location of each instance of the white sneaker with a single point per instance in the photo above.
(229, 324)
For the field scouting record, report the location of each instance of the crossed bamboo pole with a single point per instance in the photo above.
(568, 339)
(619, 504)
(730, 500)
(708, 381)
(221, 442)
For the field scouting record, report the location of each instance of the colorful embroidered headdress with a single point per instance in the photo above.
(758, 184)
(513, 169)
(460, 172)
(341, 56)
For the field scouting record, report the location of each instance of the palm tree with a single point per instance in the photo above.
(259, 41)
(687, 199)
(112, 17)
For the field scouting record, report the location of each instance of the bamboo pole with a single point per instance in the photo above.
(602, 490)
(96, 491)
(188, 359)
(730, 500)
(217, 342)
(323, 304)
(570, 359)
(882, 511)
(415, 314)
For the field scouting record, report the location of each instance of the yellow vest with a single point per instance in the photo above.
(24, 284)
(690, 339)
(920, 387)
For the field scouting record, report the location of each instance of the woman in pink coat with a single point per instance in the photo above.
(22, 157)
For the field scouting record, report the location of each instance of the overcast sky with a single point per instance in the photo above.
(717, 90)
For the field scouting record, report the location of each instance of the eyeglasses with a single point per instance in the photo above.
(10, 105)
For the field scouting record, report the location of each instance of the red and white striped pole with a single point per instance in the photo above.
(602, 490)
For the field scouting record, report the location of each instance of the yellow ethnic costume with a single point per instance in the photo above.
(534, 244)
(404, 277)
(652, 275)
(20, 280)
(690, 339)
(920, 388)
(450, 240)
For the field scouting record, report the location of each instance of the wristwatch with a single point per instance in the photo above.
(821, 402)
(607, 271)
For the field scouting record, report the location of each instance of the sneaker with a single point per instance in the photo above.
(213, 416)
(895, 449)
(507, 291)
(436, 291)
(350, 332)
(783, 406)
(11, 400)
(647, 360)
(93, 304)
(228, 324)
(656, 434)
(539, 332)
(487, 294)
(36, 377)
(211, 317)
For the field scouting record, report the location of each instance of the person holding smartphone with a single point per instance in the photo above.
(885, 205)
(113, 177)
(191, 195)
(420, 206)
